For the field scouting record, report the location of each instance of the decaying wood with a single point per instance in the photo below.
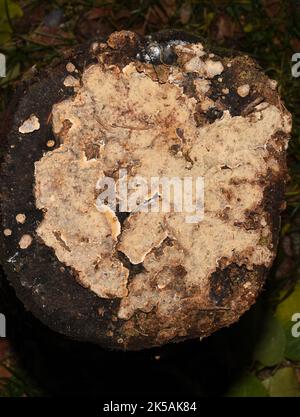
(156, 106)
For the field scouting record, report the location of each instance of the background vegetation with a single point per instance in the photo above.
(256, 357)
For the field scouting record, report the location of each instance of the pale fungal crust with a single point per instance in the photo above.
(243, 90)
(142, 120)
(70, 67)
(30, 125)
(50, 143)
(21, 218)
(25, 241)
(71, 81)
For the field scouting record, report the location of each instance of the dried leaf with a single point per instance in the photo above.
(98, 12)
(283, 384)
(156, 16)
(169, 7)
(185, 13)
(270, 347)
(226, 27)
(49, 36)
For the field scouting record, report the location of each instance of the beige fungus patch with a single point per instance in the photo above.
(21, 218)
(125, 118)
(25, 241)
(30, 125)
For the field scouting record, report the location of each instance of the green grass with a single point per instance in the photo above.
(19, 384)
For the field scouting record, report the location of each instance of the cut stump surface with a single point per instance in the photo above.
(136, 108)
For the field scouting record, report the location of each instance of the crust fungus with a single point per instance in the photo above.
(162, 106)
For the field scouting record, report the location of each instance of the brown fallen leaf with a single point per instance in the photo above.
(139, 28)
(91, 28)
(226, 27)
(285, 268)
(287, 245)
(185, 12)
(156, 16)
(169, 7)
(295, 44)
(98, 12)
(272, 7)
(122, 14)
(50, 36)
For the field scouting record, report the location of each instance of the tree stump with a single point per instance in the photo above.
(134, 108)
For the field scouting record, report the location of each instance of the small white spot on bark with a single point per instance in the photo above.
(50, 143)
(94, 46)
(12, 259)
(21, 218)
(30, 125)
(70, 67)
(25, 241)
(243, 90)
(71, 81)
(273, 84)
(7, 232)
(111, 218)
(213, 68)
(263, 222)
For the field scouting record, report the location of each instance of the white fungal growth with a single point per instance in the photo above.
(50, 143)
(70, 67)
(71, 81)
(111, 218)
(30, 125)
(21, 218)
(141, 121)
(273, 84)
(154, 51)
(192, 56)
(213, 68)
(25, 241)
(243, 90)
